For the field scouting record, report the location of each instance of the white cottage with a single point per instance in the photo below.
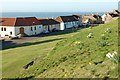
(14, 26)
(92, 19)
(107, 17)
(67, 22)
(49, 24)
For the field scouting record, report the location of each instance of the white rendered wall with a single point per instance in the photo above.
(16, 30)
(71, 24)
(103, 17)
(62, 27)
(57, 26)
(27, 30)
(8, 30)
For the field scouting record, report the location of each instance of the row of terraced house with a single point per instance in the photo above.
(33, 26)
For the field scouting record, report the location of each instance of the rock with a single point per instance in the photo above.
(106, 78)
(27, 65)
(98, 62)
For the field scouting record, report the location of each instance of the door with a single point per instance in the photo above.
(21, 30)
(48, 28)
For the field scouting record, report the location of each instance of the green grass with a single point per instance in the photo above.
(66, 55)
(16, 57)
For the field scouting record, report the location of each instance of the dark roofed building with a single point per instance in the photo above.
(49, 24)
(48, 21)
(109, 16)
(92, 19)
(68, 21)
(116, 12)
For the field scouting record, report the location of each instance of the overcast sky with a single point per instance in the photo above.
(58, 5)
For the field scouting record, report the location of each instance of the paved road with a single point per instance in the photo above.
(14, 42)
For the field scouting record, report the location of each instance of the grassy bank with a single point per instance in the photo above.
(68, 55)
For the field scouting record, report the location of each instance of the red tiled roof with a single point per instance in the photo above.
(7, 21)
(24, 21)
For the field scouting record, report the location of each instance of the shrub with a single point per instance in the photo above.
(90, 35)
(104, 37)
(81, 45)
(90, 27)
(108, 30)
(63, 59)
(103, 43)
(113, 57)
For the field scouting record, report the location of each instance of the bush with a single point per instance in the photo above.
(81, 45)
(108, 30)
(104, 37)
(90, 35)
(90, 27)
(103, 43)
(113, 56)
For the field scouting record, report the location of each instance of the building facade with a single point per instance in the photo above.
(15, 26)
(49, 24)
(92, 19)
(68, 22)
(109, 16)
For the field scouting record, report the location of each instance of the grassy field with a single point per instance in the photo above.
(67, 55)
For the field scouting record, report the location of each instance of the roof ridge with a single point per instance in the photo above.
(61, 18)
(15, 22)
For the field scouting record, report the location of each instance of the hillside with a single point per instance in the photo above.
(72, 55)
(82, 57)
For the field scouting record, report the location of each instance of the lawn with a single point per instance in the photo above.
(16, 57)
(67, 55)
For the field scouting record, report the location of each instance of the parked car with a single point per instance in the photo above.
(45, 32)
(2, 39)
(55, 30)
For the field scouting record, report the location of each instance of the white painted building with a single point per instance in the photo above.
(14, 26)
(49, 24)
(103, 17)
(107, 17)
(68, 22)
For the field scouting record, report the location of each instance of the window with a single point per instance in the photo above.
(31, 28)
(10, 33)
(4, 29)
(39, 26)
(35, 28)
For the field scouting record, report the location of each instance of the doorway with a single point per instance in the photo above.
(21, 30)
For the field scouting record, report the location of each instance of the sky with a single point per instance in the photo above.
(58, 5)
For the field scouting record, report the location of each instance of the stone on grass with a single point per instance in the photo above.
(29, 64)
